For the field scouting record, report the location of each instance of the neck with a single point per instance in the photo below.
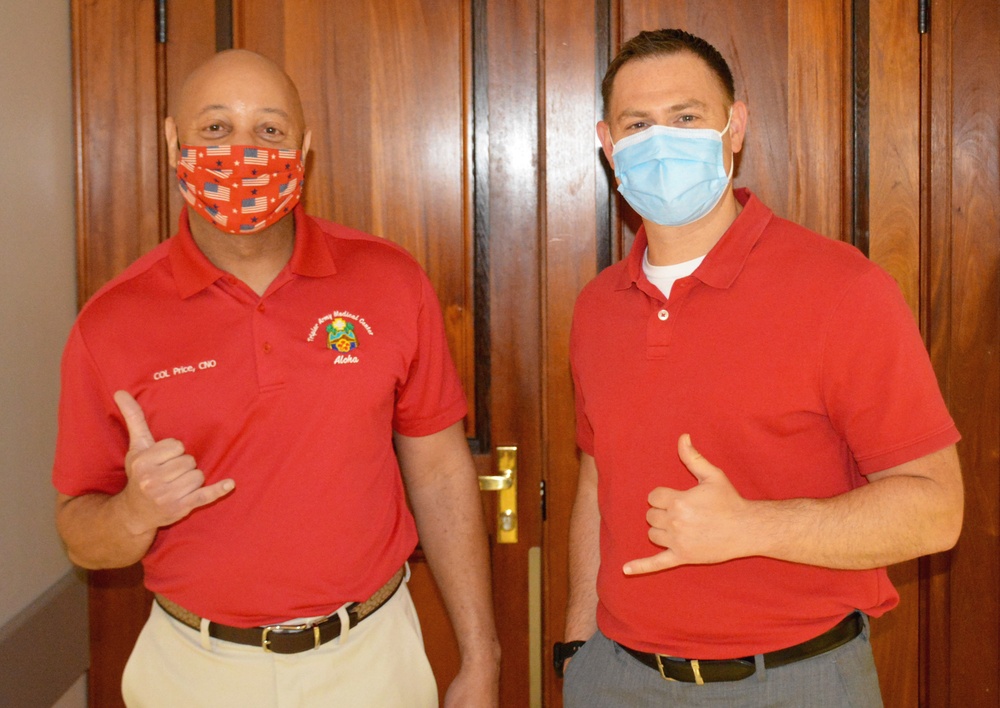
(256, 259)
(670, 245)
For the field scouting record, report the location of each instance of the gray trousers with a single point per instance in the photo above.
(603, 675)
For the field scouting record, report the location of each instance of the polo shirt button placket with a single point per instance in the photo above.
(658, 331)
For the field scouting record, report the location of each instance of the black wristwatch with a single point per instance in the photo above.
(562, 651)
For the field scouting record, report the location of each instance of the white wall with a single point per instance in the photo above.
(37, 286)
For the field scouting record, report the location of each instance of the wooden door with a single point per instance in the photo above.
(465, 130)
(959, 287)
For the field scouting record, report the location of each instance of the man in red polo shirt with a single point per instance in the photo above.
(237, 409)
(761, 432)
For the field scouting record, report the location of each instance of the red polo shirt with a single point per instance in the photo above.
(797, 368)
(295, 395)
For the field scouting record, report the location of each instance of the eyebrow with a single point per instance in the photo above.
(221, 107)
(683, 105)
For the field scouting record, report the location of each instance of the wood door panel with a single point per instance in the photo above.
(575, 186)
(894, 243)
(894, 145)
(118, 141)
(259, 25)
(963, 239)
(119, 607)
(508, 211)
(819, 90)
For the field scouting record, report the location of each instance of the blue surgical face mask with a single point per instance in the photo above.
(672, 176)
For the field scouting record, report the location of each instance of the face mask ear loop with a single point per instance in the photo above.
(732, 164)
(728, 121)
(732, 160)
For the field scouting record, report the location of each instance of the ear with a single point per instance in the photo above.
(604, 135)
(306, 139)
(738, 125)
(170, 133)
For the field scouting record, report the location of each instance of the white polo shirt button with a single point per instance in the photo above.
(663, 315)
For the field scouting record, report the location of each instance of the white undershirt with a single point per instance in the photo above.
(664, 277)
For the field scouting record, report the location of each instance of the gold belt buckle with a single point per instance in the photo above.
(265, 642)
(695, 667)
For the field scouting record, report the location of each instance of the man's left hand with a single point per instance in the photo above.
(704, 524)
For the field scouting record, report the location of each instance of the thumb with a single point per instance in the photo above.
(697, 464)
(139, 437)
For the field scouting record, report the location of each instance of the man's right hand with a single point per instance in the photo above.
(164, 483)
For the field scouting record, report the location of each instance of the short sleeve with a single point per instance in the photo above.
(584, 429)
(92, 440)
(431, 397)
(878, 383)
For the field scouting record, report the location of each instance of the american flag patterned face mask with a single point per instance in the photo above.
(240, 189)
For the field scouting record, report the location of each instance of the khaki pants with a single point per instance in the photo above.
(380, 664)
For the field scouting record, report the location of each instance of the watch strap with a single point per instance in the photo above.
(561, 651)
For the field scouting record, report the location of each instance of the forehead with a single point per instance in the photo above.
(650, 82)
(244, 83)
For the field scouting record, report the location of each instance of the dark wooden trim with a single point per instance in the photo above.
(161, 21)
(223, 25)
(923, 16)
(934, 598)
(162, 171)
(860, 235)
(481, 225)
(77, 16)
(44, 648)
(602, 57)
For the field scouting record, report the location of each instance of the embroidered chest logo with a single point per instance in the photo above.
(342, 335)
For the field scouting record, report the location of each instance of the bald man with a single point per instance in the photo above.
(245, 410)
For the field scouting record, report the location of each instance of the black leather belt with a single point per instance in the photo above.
(709, 670)
(284, 638)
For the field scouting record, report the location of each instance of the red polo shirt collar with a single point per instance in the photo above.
(726, 259)
(193, 272)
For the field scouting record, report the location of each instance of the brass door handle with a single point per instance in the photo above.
(506, 484)
(496, 482)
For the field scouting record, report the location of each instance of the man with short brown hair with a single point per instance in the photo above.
(741, 571)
